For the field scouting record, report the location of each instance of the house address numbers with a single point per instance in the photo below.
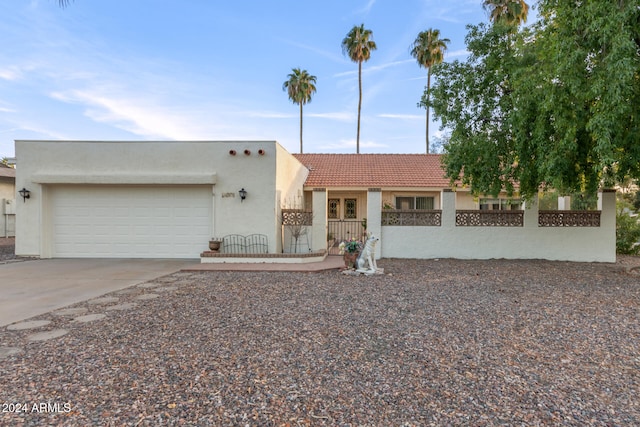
(228, 195)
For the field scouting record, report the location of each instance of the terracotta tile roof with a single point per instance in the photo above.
(374, 170)
(7, 172)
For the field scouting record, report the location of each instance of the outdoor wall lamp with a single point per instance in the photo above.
(26, 194)
(243, 194)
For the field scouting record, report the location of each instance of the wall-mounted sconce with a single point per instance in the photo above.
(247, 152)
(26, 194)
(232, 152)
(243, 194)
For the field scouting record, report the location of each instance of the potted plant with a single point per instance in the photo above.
(215, 243)
(350, 251)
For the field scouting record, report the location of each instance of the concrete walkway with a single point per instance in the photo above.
(31, 288)
(330, 263)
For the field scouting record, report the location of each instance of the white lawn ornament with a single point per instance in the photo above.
(366, 262)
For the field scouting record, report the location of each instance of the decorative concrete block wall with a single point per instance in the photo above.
(571, 240)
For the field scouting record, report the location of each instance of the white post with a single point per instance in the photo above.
(531, 212)
(448, 208)
(213, 212)
(374, 216)
(319, 227)
(564, 203)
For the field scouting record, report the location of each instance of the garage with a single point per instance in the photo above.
(128, 221)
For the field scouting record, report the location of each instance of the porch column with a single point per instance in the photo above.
(319, 227)
(374, 216)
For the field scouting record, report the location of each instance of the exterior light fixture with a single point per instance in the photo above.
(243, 194)
(26, 194)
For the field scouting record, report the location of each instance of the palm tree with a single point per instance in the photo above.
(510, 12)
(428, 49)
(63, 3)
(358, 46)
(300, 87)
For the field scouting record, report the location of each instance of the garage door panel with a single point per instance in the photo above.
(131, 221)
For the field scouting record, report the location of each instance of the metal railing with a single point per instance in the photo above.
(239, 244)
(341, 230)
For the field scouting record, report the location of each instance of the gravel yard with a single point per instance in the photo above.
(431, 342)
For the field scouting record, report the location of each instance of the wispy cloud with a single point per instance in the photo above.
(10, 73)
(133, 115)
(339, 116)
(374, 68)
(367, 8)
(324, 53)
(401, 116)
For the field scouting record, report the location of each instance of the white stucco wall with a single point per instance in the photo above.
(585, 244)
(290, 178)
(43, 164)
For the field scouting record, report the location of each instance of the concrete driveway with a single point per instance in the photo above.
(31, 288)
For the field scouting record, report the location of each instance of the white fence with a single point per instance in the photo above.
(529, 234)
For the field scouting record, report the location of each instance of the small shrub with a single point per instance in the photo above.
(627, 231)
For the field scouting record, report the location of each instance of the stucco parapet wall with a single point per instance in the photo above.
(180, 179)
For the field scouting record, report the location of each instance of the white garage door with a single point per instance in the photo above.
(130, 221)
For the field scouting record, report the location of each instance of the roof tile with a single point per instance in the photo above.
(374, 170)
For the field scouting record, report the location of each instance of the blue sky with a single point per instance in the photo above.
(213, 70)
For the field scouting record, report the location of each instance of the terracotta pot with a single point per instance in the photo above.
(350, 259)
(214, 245)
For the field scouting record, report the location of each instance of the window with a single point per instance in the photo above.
(414, 202)
(350, 211)
(500, 204)
(333, 208)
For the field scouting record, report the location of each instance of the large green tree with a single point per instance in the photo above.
(358, 45)
(428, 49)
(300, 87)
(555, 105)
(472, 99)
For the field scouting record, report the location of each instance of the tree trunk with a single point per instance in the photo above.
(359, 106)
(427, 106)
(301, 128)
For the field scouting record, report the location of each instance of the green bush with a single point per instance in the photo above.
(627, 231)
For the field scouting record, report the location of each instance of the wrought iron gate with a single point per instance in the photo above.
(341, 230)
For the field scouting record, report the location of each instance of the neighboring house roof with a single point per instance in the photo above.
(374, 170)
(7, 172)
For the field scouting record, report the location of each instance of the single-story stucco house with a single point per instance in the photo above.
(167, 199)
